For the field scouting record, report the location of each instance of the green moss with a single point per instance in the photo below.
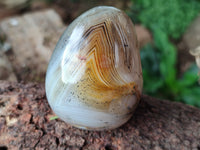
(170, 16)
(167, 21)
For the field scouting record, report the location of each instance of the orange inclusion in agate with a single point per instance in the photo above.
(98, 93)
(101, 81)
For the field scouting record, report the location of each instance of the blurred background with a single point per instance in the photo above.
(168, 33)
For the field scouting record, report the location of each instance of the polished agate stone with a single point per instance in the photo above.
(94, 78)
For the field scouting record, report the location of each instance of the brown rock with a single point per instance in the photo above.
(6, 70)
(192, 35)
(5, 12)
(26, 118)
(32, 38)
(156, 124)
(143, 35)
(190, 42)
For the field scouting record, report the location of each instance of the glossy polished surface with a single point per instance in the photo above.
(94, 78)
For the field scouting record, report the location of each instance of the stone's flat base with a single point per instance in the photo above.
(156, 124)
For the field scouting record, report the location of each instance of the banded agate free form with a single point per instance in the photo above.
(94, 78)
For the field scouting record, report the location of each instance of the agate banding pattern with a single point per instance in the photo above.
(94, 78)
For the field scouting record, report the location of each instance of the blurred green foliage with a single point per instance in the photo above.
(167, 20)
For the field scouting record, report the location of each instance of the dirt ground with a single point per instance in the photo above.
(156, 124)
